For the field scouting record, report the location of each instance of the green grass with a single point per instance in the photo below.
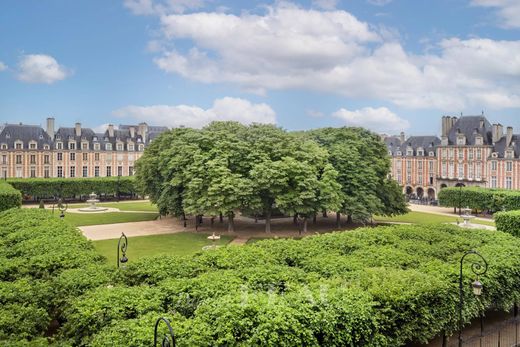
(141, 246)
(426, 218)
(144, 206)
(83, 219)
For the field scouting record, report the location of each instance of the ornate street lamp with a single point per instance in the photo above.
(479, 269)
(122, 245)
(62, 207)
(460, 196)
(168, 339)
(118, 187)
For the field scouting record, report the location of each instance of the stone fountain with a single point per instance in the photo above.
(213, 238)
(467, 217)
(93, 201)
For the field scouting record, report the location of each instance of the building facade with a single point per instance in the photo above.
(31, 151)
(470, 152)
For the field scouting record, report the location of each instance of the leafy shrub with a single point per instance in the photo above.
(9, 197)
(72, 187)
(37, 254)
(508, 222)
(369, 287)
(482, 199)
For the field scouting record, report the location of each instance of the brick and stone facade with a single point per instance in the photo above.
(470, 152)
(31, 151)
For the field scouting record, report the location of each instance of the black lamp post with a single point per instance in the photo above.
(62, 207)
(460, 197)
(122, 245)
(118, 183)
(478, 268)
(168, 339)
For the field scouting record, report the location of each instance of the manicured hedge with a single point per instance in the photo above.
(9, 197)
(38, 255)
(370, 287)
(481, 199)
(45, 188)
(508, 222)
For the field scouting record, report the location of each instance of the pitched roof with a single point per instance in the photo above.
(470, 126)
(25, 133)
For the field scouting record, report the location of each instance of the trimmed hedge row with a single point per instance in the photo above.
(44, 263)
(369, 287)
(72, 187)
(9, 197)
(508, 222)
(482, 199)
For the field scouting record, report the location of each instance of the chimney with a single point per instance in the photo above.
(143, 131)
(509, 137)
(498, 132)
(77, 129)
(50, 127)
(111, 130)
(402, 137)
(443, 126)
(132, 132)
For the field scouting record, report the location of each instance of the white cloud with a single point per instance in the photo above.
(41, 68)
(158, 7)
(507, 10)
(227, 108)
(289, 47)
(3, 66)
(376, 119)
(325, 4)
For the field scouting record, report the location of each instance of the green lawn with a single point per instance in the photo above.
(425, 218)
(82, 219)
(179, 244)
(144, 206)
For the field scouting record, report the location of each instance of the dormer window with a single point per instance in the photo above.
(461, 141)
(509, 154)
(18, 145)
(399, 153)
(32, 145)
(46, 147)
(84, 146)
(58, 137)
(108, 146)
(7, 136)
(494, 155)
(41, 137)
(96, 146)
(94, 138)
(420, 152)
(131, 148)
(4, 146)
(119, 146)
(390, 153)
(72, 145)
(478, 141)
(59, 145)
(141, 148)
(432, 154)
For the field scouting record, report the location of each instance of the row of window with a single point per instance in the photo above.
(84, 146)
(72, 171)
(508, 182)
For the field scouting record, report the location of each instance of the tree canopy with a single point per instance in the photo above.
(227, 167)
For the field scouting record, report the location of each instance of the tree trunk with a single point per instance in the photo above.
(212, 221)
(184, 219)
(325, 214)
(196, 223)
(231, 222)
(221, 217)
(314, 219)
(349, 219)
(295, 219)
(305, 224)
(268, 222)
(338, 220)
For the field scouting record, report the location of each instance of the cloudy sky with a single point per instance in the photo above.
(388, 65)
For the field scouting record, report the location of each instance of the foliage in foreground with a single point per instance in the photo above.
(44, 262)
(481, 199)
(508, 222)
(9, 197)
(370, 287)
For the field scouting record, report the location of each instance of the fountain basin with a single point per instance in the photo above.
(93, 208)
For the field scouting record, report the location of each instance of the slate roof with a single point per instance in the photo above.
(393, 144)
(500, 146)
(469, 126)
(26, 133)
(427, 143)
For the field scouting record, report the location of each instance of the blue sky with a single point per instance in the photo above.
(389, 65)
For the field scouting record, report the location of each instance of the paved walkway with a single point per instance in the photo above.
(113, 231)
